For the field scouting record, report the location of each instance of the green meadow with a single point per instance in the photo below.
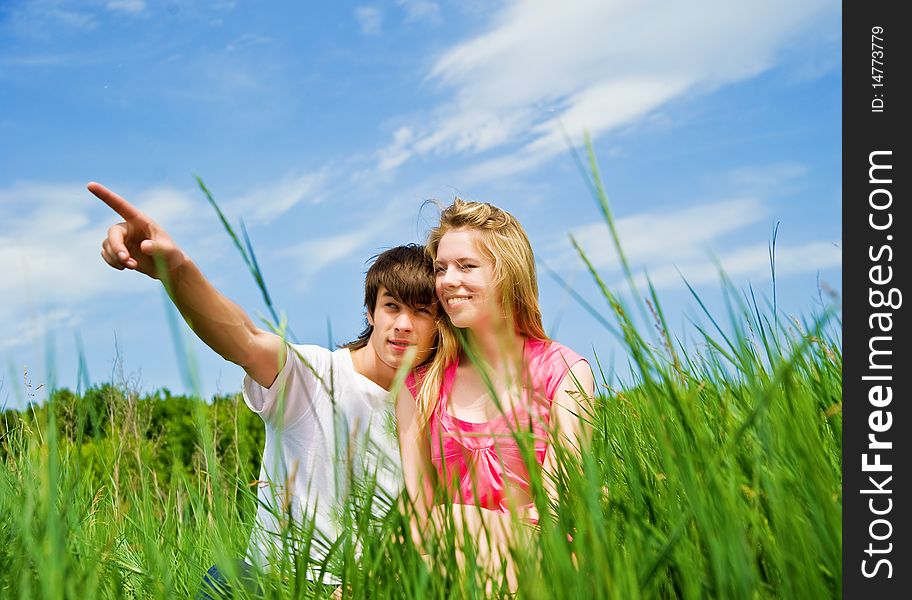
(713, 471)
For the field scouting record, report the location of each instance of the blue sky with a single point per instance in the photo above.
(326, 125)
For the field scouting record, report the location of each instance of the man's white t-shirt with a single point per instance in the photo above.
(326, 426)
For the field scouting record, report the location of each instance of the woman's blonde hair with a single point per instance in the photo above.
(503, 241)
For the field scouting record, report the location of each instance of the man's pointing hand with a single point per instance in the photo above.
(134, 243)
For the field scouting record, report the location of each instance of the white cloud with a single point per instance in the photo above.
(662, 235)
(314, 255)
(766, 179)
(370, 19)
(394, 155)
(247, 40)
(176, 210)
(747, 262)
(266, 202)
(128, 6)
(51, 238)
(597, 109)
(38, 326)
(589, 64)
(228, 76)
(420, 10)
(690, 243)
(45, 19)
(73, 19)
(36, 61)
(50, 246)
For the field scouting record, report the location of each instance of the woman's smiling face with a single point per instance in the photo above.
(465, 280)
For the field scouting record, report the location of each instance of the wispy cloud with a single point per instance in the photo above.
(370, 19)
(132, 7)
(227, 76)
(420, 10)
(52, 235)
(177, 210)
(45, 60)
(747, 262)
(398, 152)
(316, 254)
(73, 19)
(595, 110)
(691, 243)
(266, 202)
(230, 81)
(544, 67)
(247, 40)
(50, 248)
(658, 236)
(766, 180)
(38, 326)
(47, 19)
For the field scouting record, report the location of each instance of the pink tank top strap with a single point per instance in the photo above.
(449, 376)
(411, 382)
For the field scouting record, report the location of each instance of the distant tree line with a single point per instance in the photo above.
(113, 430)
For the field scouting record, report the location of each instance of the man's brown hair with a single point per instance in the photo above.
(408, 275)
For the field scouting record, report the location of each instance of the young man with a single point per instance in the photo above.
(326, 412)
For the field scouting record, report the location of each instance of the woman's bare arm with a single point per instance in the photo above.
(414, 450)
(569, 410)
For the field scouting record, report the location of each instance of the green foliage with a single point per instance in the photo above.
(715, 473)
(156, 433)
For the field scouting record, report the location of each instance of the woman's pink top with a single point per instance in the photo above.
(481, 463)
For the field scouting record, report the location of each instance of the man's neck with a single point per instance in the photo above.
(368, 364)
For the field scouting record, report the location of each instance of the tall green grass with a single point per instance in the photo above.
(713, 471)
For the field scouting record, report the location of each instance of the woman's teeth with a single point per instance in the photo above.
(454, 301)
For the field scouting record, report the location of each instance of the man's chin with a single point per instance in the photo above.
(397, 359)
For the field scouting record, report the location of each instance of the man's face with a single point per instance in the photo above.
(398, 327)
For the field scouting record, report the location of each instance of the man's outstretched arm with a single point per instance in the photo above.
(138, 241)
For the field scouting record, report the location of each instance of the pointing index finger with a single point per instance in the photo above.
(117, 203)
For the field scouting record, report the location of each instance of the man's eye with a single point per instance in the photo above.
(392, 305)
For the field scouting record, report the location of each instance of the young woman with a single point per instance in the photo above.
(495, 378)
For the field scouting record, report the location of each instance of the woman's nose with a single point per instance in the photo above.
(450, 277)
